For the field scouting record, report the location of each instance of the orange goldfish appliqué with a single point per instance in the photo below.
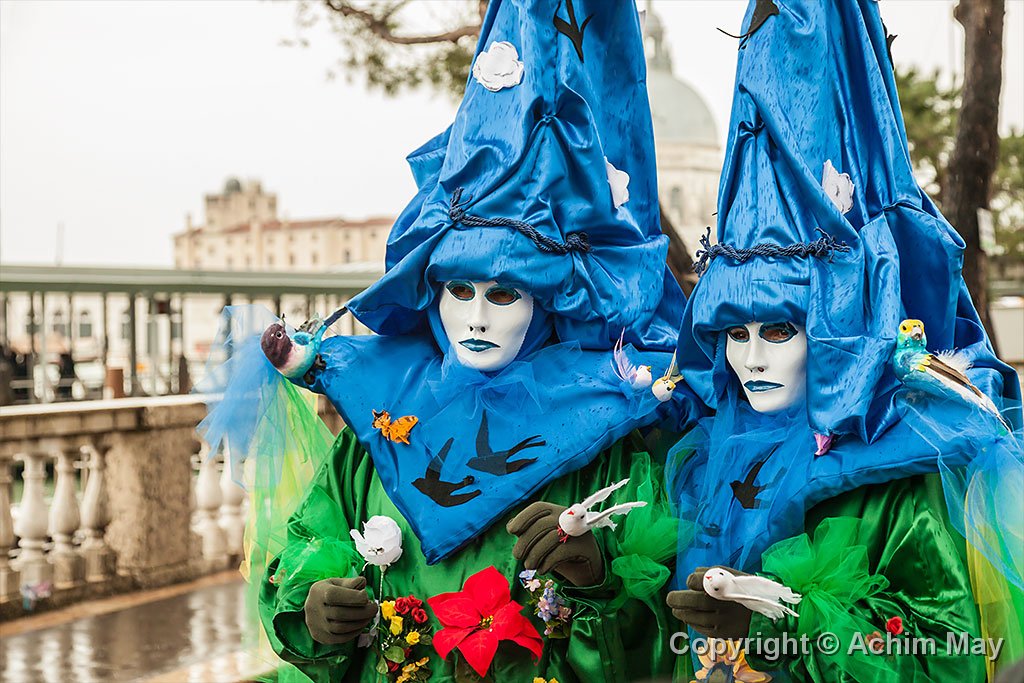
(397, 431)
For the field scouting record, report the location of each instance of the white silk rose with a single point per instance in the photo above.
(498, 67)
(380, 544)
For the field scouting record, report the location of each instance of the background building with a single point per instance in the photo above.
(242, 231)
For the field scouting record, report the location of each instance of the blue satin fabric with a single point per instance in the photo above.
(536, 152)
(567, 397)
(814, 84)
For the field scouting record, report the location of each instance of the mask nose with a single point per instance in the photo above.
(479, 321)
(755, 360)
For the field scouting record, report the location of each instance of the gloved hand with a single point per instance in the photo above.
(577, 559)
(337, 610)
(706, 615)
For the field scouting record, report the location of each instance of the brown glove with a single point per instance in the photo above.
(577, 559)
(706, 615)
(337, 610)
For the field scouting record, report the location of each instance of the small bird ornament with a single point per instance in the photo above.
(943, 375)
(665, 385)
(756, 593)
(297, 355)
(638, 377)
(578, 519)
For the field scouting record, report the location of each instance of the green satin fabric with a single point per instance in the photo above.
(871, 554)
(620, 630)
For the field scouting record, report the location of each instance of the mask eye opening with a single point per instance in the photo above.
(461, 290)
(739, 334)
(502, 295)
(777, 333)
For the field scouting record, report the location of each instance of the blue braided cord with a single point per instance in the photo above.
(574, 241)
(823, 247)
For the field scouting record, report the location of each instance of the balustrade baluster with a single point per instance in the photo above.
(231, 520)
(33, 513)
(99, 558)
(208, 501)
(68, 566)
(10, 578)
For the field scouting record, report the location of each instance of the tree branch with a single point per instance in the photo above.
(379, 26)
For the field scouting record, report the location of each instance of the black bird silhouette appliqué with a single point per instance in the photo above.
(571, 29)
(762, 11)
(497, 462)
(746, 491)
(443, 492)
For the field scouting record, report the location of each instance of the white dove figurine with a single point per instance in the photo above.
(756, 593)
(578, 519)
(639, 377)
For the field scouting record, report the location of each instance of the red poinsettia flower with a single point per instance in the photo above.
(480, 616)
(894, 626)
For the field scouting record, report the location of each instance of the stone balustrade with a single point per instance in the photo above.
(136, 501)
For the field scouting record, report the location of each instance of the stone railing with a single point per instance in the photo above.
(136, 502)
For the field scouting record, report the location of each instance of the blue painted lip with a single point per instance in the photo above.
(758, 386)
(478, 345)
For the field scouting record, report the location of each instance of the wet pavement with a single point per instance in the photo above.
(172, 639)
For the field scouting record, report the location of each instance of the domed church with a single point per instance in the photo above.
(686, 140)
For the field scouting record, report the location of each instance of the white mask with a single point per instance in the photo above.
(486, 322)
(770, 360)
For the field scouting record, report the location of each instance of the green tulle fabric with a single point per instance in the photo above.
(872, 554)
(831, 572)
(646, 545)
(291, 443)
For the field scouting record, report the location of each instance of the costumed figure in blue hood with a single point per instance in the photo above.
(827, 498)
(525, 329)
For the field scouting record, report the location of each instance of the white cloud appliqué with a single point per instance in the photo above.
(498, 67)
(838, 187)
(619, 182)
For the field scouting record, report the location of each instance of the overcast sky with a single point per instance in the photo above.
(117, 117)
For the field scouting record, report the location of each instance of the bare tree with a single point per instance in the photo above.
(976, 151)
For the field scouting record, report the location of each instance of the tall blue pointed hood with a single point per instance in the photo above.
(528, 187)
(520, 187)
(820, 221)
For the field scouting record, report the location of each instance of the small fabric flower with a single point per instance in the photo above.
(498, 67)
(838, 186)
(396, 625)
(529, 580)
(412, 637)
(894, 626)
(618, 181)
(387, 609)
(380, 544)
(403, 605)
(419, 615)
